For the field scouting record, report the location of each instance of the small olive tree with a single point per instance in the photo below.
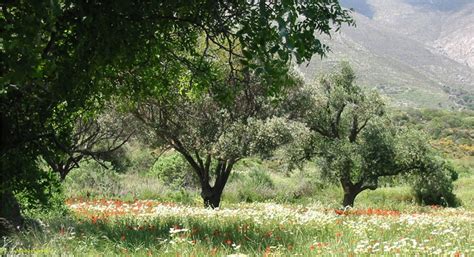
(213, 135)
(353, 139)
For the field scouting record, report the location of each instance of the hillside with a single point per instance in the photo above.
(418, 53)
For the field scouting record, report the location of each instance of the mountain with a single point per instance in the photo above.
(417, 52)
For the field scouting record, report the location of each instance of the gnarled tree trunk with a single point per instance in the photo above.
(349, 197)
(351, 191)
(211, 197)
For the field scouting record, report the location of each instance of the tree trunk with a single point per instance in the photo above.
(349, 198)
(10, 215)
(62, 175)
(211, 197)
(351, 191)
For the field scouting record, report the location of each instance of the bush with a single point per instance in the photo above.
(173, 170)
(140, 158)
(47, 197)
(132, 157)
(436, 188)
(260, 178)
(92, 179)
(254, 186)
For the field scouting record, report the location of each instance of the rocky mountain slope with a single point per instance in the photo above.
(417, 52)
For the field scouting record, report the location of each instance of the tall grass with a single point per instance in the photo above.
(254, 230)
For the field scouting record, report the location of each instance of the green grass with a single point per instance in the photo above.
(464, 190)
(252, 229)
(264, 213)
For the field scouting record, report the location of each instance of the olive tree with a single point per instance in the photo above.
(353, 139)
(213, 136)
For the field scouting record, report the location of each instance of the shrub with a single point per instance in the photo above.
(260, 178)
(173, 170)
(140, 158)
(255, 186)
(92, 179)
(436, 188)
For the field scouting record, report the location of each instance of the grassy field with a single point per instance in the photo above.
(149, 228)
(386, 223)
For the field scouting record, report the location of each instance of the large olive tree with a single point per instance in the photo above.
(213, 136)
(353, 139)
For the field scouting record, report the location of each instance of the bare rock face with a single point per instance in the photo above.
(419, 53)
(459, 46)
(457, 37)
(447, 27)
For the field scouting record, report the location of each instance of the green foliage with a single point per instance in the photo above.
(353, 140)
(92, 180)
(436, 187)
(61, 59)
(257, 181)
(52, 197)
(450, 131)
(251, 182)
(173, 170)
(131, 157)
(260, 178)
(212, 135)
(40, 191)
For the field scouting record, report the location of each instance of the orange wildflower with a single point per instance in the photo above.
(267, 251)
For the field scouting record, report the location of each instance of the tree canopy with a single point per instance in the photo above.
(63, 59)
(213, 136)
(353, 138)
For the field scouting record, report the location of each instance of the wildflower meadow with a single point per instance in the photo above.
(152, 228)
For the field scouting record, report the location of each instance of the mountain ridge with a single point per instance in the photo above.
(395, 51)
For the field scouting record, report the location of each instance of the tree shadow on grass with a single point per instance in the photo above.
(130, 233)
